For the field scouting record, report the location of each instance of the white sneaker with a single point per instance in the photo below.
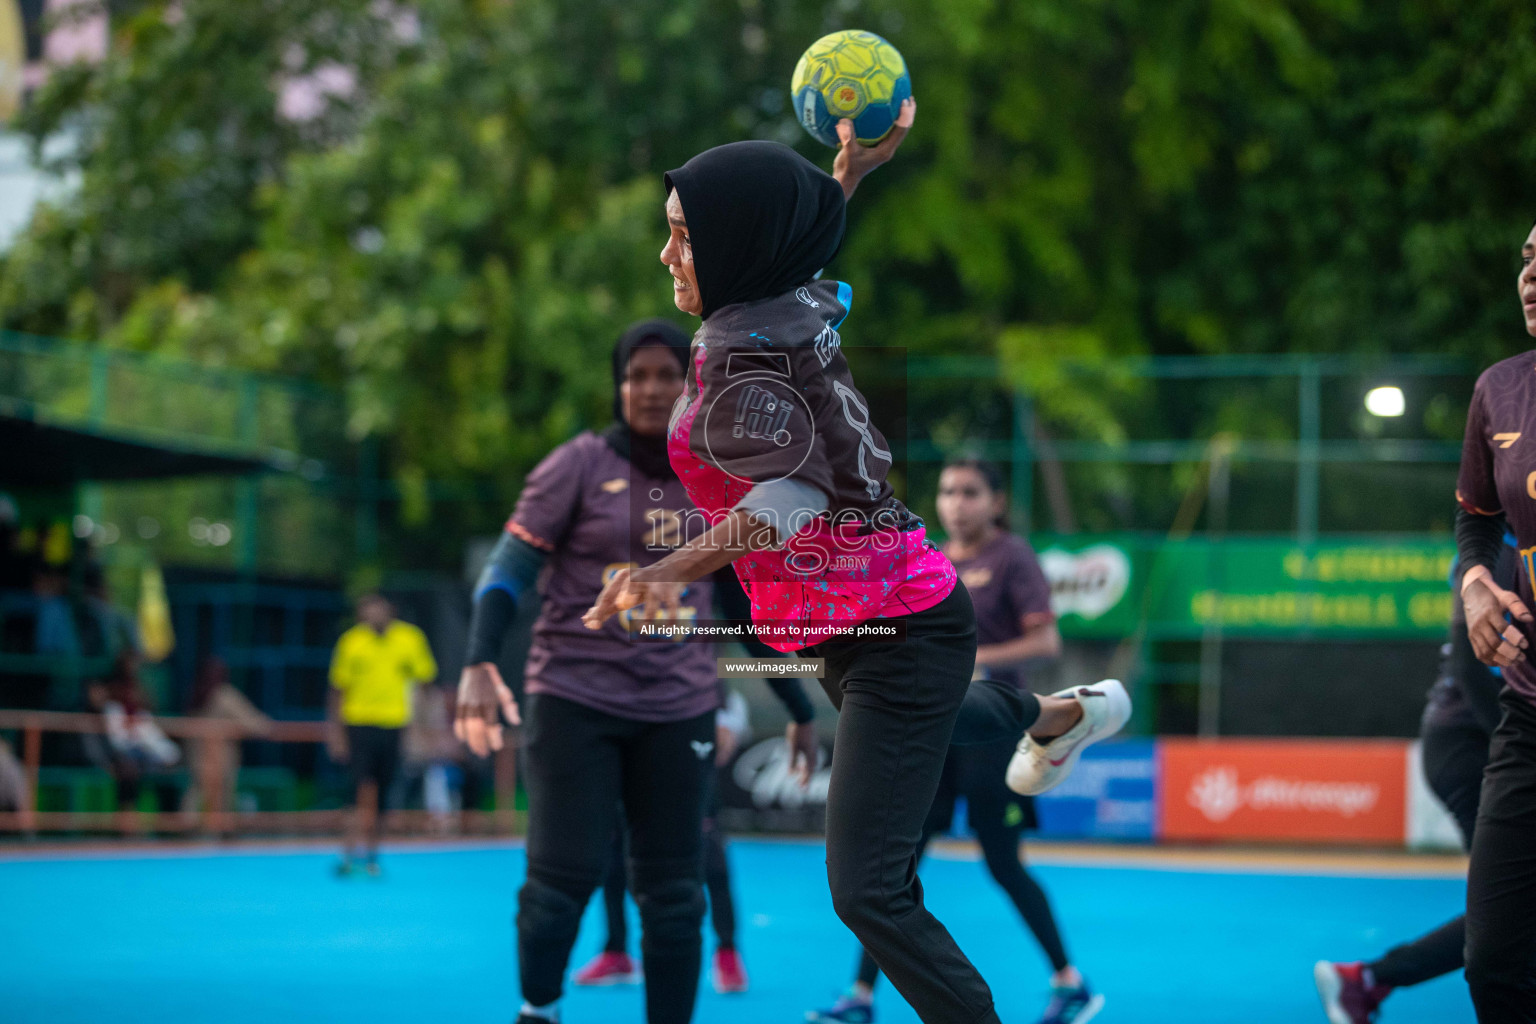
(1037, 767)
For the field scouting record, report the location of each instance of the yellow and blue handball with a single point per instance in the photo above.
(850, 74)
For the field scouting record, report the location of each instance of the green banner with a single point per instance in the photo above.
(1106, 585)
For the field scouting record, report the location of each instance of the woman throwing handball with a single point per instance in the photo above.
(1497, 483)
(775, 445)
(1014, 623)
(609, 722)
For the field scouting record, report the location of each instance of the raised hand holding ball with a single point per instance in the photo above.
(850, 75)
(853, 161)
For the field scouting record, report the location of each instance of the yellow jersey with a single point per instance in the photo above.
(376, 673)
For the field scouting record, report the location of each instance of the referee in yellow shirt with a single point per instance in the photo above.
(375, 669)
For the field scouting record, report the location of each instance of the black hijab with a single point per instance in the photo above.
(647, 454)
(762, 219)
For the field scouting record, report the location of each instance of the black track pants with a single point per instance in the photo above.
(580, 765)
(900, 703)
(1501, 882)
(998, 816)
(717, 882)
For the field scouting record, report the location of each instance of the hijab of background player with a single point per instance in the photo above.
(762, 219)
(647, 454)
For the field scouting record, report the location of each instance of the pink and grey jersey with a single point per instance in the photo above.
(595, 513)
(1498, 466)
(769, 407)
(1010, 593)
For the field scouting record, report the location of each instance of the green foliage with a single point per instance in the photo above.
(171, 137)
(1382, 213)
(457, 244)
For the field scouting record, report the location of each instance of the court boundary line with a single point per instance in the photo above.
(1239, 861)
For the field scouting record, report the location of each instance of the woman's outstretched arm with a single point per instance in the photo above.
(659, 586)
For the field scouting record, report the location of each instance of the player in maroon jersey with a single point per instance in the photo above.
(1497, 486)
(608, 721)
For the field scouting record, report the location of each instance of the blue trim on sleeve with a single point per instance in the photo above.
(844, 299)
(512, 568)
(495, 579)
(507, 587)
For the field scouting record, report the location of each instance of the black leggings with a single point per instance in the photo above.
(717, 882)
(998, 816)
(902, 704)
(615, 885)
(580, 766)
(1501, 882)
(1454, 757)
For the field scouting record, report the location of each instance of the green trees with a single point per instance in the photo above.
(456, 240)
(172, 137)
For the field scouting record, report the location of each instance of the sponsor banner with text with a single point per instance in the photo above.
(1332, 791)
(1106, 585)
(1110, 795)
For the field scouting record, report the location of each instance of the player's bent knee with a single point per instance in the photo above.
(1006, 870)
(861, 908)
(579, 883)
(1001, 856)
(543, 909)
(671, 912)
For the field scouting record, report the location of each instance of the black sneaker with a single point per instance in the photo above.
(373, 869)
(344, 868)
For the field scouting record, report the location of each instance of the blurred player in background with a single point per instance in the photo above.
(1495, 491)
(728, 974)
(733, 727)
(611, 721)
(1459, 720)
(375, 670)
(215, 764)
(134, 749)
(1014, 624)
(796, 493)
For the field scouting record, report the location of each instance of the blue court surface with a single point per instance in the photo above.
(269, 937)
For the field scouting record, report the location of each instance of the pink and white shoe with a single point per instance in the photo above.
(1348, 995)
(729, 973)
(609, 968)
(1037, 767)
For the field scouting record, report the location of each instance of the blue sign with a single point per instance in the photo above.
(1111, 794)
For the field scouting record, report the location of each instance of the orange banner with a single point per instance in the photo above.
(1288, 790)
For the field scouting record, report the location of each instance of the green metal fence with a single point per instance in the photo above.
(1303, 456)
(1299, 454)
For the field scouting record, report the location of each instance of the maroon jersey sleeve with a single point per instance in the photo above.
(1028, 589)
(1476, 489)
(550, 501)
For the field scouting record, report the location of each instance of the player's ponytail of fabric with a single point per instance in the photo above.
(994, 479)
